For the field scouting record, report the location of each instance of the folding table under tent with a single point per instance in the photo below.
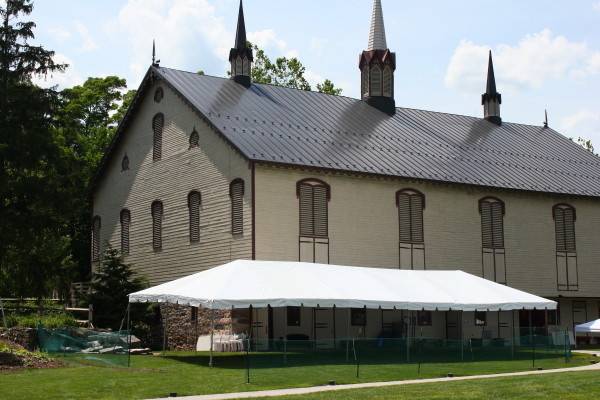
(588, 327)
(261, 284)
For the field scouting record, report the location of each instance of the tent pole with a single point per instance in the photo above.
(128, 334)
(347, 334)
(462, 338)
(285, 328)
(212, 334)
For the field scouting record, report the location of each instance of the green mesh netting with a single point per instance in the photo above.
(86, 345)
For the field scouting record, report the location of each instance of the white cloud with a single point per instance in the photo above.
(584, 123)
(70, 77)
(534, 60)
(59, 33)
(87, 42)
(596, 6)
(177, 26)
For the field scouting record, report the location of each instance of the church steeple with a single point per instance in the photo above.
(377, 65)
(241, 56)
(491, 99)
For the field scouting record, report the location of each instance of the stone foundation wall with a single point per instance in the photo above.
(26, 337)
(185, 324)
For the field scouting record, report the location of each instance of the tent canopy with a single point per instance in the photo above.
(260, 284)
(589, 327)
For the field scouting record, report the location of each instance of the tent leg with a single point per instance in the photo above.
(348, 335)
(462, 338)
(212, 335)
(128, 334)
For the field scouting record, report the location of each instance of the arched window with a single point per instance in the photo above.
(376, 80)
(566, 249)
(236, 192)
(125, 163)
(564, 224)
(238, 66)
(158, 123)
(314, 196)
(194, 139)
(125, 222)
(410, 214)
(492, 239)
(364, 82)
(96, 225)
(158, 95)
(410, 205)
(157, 218)
(388, 81)
(492, 222)
(194, 201)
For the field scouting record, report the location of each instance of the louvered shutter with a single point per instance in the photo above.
(307, 227)
(376, 81)
(320, 211)
(416, 218)
(194, 139)
(569, 218)
(157, 216)
(157, 126)
(559, 224)
(387, 81)
(194, 210)
(96, 224)
(486, 225)
(237, 207)
(497, 224)
(404, 216)
(125, 222)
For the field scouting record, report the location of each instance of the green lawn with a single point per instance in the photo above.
(188, 374)
(563, 386)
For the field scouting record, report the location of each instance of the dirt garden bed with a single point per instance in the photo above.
(14, 357)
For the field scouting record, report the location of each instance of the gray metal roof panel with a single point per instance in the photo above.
(276, 124)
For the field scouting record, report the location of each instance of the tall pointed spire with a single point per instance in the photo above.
(241, 56)
(377, 65)
(491, 99)
(240, 34)
(377, 39)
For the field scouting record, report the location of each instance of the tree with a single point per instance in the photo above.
(586, 144)
(329, 88)
(288, 72)
(33, 245)
(113, 282)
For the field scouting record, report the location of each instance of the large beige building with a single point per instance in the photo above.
(206, 170)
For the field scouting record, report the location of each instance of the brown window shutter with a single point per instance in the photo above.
(569, 217)
(559, 225)
(498, 225)
(125, 222)
(237, 207)
(96, 225)
(416, 218)
(194, 210)
(320, 211)
(157, 217)
(158, 123)
(487, 233)
(404, 217)
(307, 227)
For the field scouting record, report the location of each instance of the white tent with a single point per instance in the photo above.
(588, 327)
(259, 284)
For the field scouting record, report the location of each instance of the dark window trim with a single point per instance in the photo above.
(563, 206)
(235, 182)
(125, 240)
(154, 221)
(234, 211)
(492, 199)
(196, 143)
(313, 182)
(189, 204)
(410, 192)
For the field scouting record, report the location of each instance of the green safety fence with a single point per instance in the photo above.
(86, 345)
(347, 360)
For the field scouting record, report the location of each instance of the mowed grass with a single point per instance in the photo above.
(189, 374)
(563, 386)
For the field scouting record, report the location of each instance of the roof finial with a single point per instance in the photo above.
(491, 78)
(377, 39)
(545, 118)
(240, 35)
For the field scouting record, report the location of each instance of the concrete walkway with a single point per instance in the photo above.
(319, 389)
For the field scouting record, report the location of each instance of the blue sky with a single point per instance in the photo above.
(547, 53)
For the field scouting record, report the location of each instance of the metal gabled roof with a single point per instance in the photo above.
(301, 128)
